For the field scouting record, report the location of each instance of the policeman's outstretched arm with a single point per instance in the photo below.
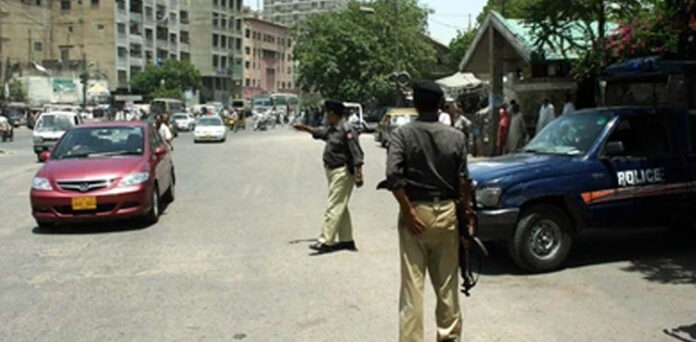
(303, 128)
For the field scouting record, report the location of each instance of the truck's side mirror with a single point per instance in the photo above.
(614, 149)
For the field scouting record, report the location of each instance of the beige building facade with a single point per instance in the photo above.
(217, 49)
(118, 39)
(290, 12)
(268, 65)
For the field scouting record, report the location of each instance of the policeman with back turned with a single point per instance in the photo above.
(427, 174)
(343, 160)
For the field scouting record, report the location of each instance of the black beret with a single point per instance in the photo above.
(427, 87)
(335, 106)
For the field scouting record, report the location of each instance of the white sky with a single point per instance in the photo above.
(449, 16)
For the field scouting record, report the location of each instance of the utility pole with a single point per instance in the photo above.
(84, 77)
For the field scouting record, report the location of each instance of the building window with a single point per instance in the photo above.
(65, 53)
(95, 3)
(216, 61)
(247, 50)
(247, 33)
(215, 40)
(65, 5)
(121, 28)
(239, 5)
(122, 77)
(247, 82)
(122, 52)
(247, 65)
(223, 62)
(223, 42)
(215, 19)
(38, 46)
(239, 44)
(100, 27)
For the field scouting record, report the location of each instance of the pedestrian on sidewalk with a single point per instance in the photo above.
(569, 106)
(517, 136)
(343, 161)
(427, 174)
(547, 113)
(503, 128)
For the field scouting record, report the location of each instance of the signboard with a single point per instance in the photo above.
(128, 98)
(63, 85)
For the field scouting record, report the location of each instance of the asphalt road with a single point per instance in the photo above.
(229, 261)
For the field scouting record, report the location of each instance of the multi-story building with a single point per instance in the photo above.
(117, 39)
(289, 12)
(217, 49)
(268, 65)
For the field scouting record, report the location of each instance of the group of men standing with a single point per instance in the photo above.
(512, 129)
(427, 173)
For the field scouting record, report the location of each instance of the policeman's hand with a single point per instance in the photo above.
(414, 224)
(299, 127)
(359, 181)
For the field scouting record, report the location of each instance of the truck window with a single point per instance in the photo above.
(642, 136)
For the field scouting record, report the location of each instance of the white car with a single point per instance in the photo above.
(184, 121)
(50, 127)
(209, 128)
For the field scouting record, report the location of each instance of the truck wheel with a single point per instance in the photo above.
(542, 239)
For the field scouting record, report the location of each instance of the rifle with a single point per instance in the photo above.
(471, 249)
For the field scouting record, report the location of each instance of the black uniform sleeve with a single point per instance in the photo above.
(396, 158)
(463, 171)
(321, 133)
(356, 152)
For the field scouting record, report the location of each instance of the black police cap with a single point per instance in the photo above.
(429, 87)
(335, 106)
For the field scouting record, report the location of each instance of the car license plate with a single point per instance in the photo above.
(84, 203)
(208, 136)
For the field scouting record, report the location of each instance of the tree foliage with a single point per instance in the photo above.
(555, 22)
(508, 8)
(17, 91)
(350, 54)
(458, 47)
(168, 80)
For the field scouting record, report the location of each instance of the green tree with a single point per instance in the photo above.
(580, 25)
(458, 47)
(508, 8)
(168, 80)
(350, 54)
(17, 91)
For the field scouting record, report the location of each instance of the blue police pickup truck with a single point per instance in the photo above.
(616, 167)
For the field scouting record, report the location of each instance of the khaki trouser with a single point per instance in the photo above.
(337, 217)
(436, 250)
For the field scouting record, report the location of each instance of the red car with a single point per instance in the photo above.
(104, 171)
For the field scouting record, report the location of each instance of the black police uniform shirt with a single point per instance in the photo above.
(342, 146)
(410, 148)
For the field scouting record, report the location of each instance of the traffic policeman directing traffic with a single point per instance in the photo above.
(343, 160)
(427, 174)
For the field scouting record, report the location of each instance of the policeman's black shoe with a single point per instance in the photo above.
(322, 247)
(347, 245)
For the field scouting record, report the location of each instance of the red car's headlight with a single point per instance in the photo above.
(134, 179)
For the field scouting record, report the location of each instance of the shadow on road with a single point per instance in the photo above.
(92, 228)
(120, 226)
(686, 333)
(658, 254)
